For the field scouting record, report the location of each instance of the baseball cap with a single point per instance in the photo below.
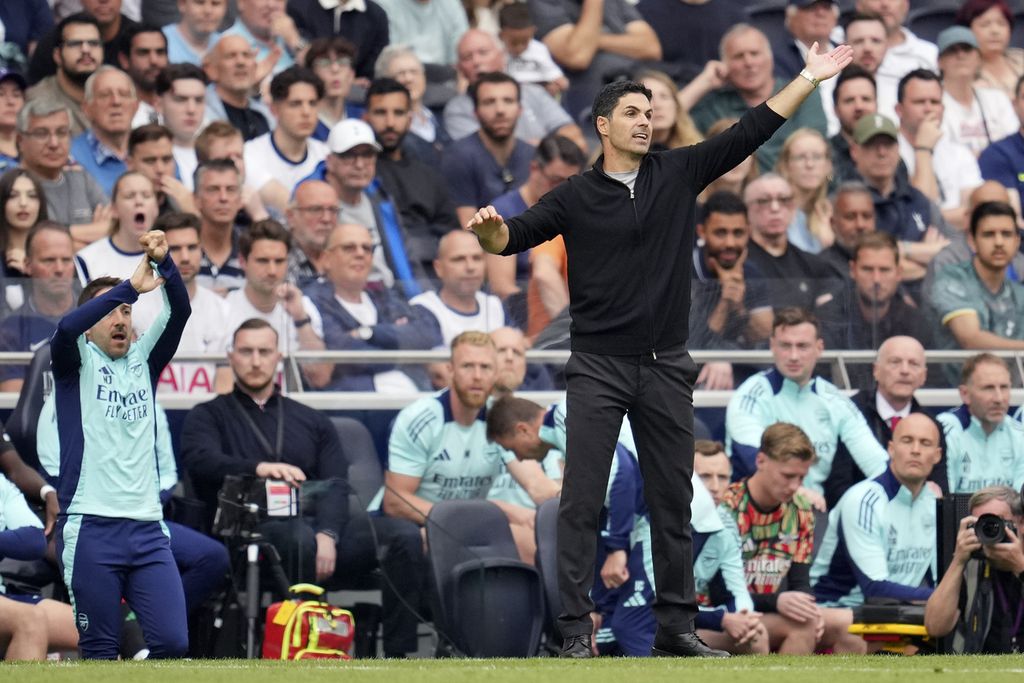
(956, 35)
(871, 125)
(807, 3)
(351, 133)
(8, 75)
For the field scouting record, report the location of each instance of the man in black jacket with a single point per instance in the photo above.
(628, 226)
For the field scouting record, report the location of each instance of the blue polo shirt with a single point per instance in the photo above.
(98, 160)
(1003, 161)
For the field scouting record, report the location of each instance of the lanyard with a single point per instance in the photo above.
(274, 453)
(1004, 604)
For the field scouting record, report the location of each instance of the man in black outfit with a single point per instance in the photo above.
(628, 226)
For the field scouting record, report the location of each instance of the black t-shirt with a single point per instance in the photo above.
(251, 123)
(1000, 637)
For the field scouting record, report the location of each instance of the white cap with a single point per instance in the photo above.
(349, 134)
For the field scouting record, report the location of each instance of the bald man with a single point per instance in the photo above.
(312, 214)
(231, 67)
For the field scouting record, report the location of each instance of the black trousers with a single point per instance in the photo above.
(658, 395)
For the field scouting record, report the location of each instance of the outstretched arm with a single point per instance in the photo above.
(490, 229)
(821, 66)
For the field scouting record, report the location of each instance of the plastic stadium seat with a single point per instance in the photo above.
(928, 19)
(21, 425)
(546, 534)
(491, 604)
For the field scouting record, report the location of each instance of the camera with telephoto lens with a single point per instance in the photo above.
(991, 529)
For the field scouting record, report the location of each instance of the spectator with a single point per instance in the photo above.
(808, 22)
(594, 42)
(23, 205)
(690, 31)
(991, 22)
(867, 35)
(419, 192)
(529, 61)
(904, 50)
(974, 116)
(555, 160)
(943, 170)
(736, 180)
(402, 64)
(853, 215)
(190, 39)
(49, 294)
(134, 208)
(878, 309)
(983, 446)
(365, 26)
(790, 391)
(978, 305)
(113, 27)
(671, 124)
(263, 254)
(205, 331)
(853, 97)
(880, 541)
(181, 89)
(12, 99)
(794, 277)
(231, 67)
(514, 373)
(312, 215)
(1002, 158)
(806, 163)
(962, 604)
(331, 60)
(777, 565)
(349, 316)
(25, 24)
(480, 53)
(725, 312)
(459, 305)
(271, 31)
(72, 196)
(77, 55)
(143, 56)
(900, 208)
(350, 168)
(713, 467)
(218, 200)
(151, 153)
(301, 446)
(221, 140)
(109, 105)
(431, 28)
(275, 162)
(492, 161)
(748, 82)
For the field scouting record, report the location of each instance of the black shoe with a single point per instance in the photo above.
(683, 645)
(577, 647)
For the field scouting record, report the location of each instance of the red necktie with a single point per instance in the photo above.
(893, 421)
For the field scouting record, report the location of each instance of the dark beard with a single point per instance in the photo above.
(78, 79)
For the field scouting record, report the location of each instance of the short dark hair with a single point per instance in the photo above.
(604, 103)
(321, 47)
(178, 72)
(282, 83)
(916, 74)
(554, 147)
(91, 290)
(151, 132)
(43, 226)
(506, 413)
(972, 363)
(515, 15)
(385, 86)
(852, 73)
(252, 324)
(177, 220)
(216, 129)
(723, 202)
(125, 46)
(213, 165)
(490, 77)
(864, 16)
(987, 209)
(791, 316)
(876, 240)
(71, 19)
(707, 447)
(266, 229)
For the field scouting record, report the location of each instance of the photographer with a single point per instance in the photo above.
(981, 593)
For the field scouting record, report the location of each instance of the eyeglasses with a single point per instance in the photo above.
(327, 62)
(328, 209)
(44, 134)
(813, 157)
(765, 202)
(79, 44)
(351, 248)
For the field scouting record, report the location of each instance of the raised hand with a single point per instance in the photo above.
(145, 279)
(826, 65)
(490, 229)
(154, 243)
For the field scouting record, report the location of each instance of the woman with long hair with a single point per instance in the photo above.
(672, 124)
(24, 205)
(991, 22)
(806, 162)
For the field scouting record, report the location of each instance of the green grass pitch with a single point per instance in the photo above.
(771, 669)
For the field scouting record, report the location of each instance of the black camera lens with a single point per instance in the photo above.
(991, 529)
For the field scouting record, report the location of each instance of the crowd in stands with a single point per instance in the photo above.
(312, 165)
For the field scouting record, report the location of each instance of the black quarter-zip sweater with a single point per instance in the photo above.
(629, 253)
